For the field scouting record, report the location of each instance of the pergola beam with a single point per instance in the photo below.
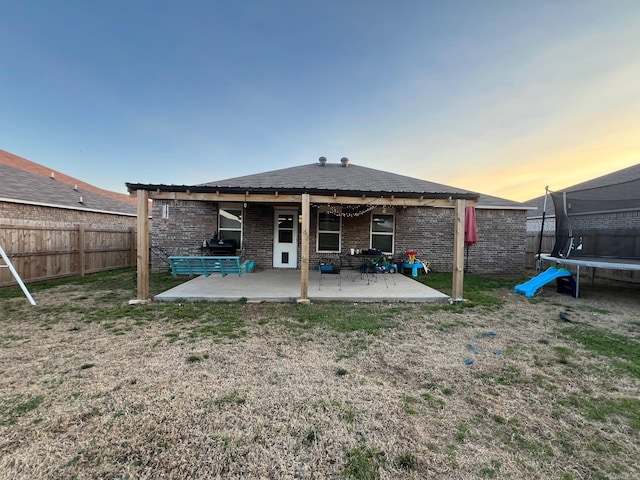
(277, 197)
(226, 197)
(305, 200)
(385, 201)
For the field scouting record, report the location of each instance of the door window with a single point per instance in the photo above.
(285, 228)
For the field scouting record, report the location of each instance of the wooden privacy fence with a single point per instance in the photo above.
(42, 253)
(533, 243)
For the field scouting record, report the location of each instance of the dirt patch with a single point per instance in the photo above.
(94, 388)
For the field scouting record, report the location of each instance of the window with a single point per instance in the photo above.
(382, 228)
(285, 228)
(230, 222)
(328, 232)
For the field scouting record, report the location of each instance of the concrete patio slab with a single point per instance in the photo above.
(284, 286)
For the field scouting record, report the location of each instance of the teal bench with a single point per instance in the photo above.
(207, 265)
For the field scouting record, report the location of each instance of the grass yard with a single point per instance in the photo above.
(497, 387)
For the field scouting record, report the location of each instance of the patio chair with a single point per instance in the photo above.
(384, 265)
(329, 266)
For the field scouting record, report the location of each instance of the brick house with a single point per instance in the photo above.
(293, 217)
(33, 194)
(53, 225)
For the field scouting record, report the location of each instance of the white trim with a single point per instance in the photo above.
(231, 206)
(291, 248)
(380, 211)
(584, 214)
(503, 207)
(66, 207)
(318, 231)
(490, 207)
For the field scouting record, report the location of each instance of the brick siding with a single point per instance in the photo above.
(258, 234)
(500, 249)
(607, 221)
(183, 231)
(35, 215)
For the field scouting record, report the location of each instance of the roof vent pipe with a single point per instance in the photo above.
(322, 161)
(53, 175)
(344, 161)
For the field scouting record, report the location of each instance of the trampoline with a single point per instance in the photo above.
(593, 262)
(597, 224)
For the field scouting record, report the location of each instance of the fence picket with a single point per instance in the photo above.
(47, 252)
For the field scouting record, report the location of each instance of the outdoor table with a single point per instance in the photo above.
(361, 263)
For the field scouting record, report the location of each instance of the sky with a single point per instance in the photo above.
(501, 97)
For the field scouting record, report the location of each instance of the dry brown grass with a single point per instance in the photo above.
(158, 392)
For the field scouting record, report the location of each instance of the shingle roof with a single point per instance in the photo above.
(335, 178)
(623, 184)
(28, 182)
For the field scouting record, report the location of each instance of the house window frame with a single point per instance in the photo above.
(386, 212)
(221, 230)
(338, 232)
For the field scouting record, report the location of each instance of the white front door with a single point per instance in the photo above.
(285, 239)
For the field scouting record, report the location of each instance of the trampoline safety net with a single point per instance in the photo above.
(598, 222)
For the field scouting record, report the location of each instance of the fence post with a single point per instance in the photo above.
(132, 246)
(81, 248)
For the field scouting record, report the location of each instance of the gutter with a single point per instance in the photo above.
(66, 207)
(298, 191)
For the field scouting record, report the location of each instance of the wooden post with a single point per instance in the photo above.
(143, 244)
(304, 250)
(458, 251)
(132, 247)
(81, 250)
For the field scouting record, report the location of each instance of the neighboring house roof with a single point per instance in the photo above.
(622, 184)
(350, 180)
(491, 202)
(24, 181)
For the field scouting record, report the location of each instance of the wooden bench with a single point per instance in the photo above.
(206, 265)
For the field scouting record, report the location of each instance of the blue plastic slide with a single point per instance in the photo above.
(536, 283)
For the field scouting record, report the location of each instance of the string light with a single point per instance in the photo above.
(349, 211)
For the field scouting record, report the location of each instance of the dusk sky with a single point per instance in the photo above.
(500, 97)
